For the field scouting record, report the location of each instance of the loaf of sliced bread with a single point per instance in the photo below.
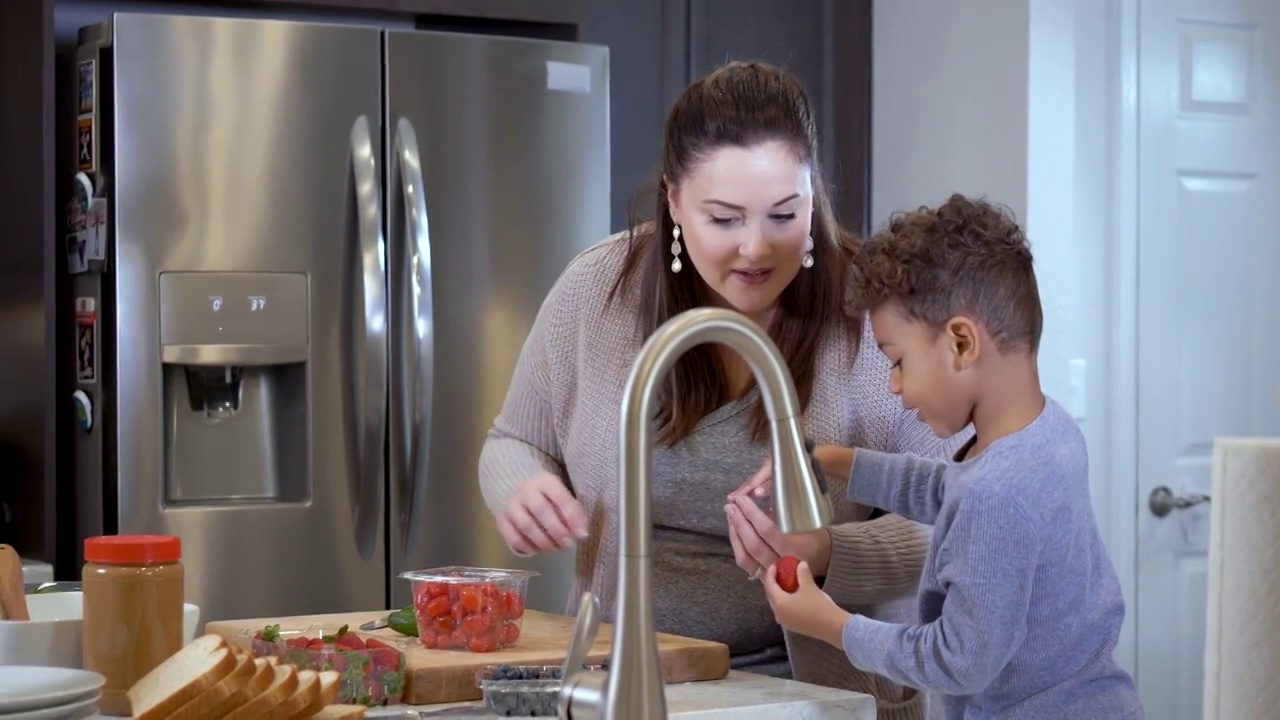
(210, 679)
(341, 712)
(181, 678)
(223, 689)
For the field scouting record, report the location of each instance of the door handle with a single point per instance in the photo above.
(415, 334)
(1162, 501)
(367, 394)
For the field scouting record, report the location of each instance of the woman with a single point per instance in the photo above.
(742, 221)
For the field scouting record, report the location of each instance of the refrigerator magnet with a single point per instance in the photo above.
(85, 153)
(86, 341)
(78, 205)
(84, 410)
(96, 232)
(77, 253)
(85, 85)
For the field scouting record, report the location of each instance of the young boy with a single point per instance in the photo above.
(1020, 606)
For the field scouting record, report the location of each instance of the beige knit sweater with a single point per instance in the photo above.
(561, 415)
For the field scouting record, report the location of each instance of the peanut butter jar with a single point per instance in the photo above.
(133, 595)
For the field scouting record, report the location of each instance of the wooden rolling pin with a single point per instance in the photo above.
(13, 598)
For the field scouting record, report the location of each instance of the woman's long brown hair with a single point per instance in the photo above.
(737, 105)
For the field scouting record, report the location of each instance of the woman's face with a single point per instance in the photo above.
(744, 215)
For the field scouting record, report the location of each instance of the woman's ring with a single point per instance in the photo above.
(756, 575)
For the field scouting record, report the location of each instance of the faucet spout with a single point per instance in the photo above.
(634, 689)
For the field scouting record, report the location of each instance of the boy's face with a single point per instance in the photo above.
(925, 373)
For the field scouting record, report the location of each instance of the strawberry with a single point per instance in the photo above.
(385, 659)
(786, 572)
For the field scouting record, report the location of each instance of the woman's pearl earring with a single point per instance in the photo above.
(807, 260)
(675, 250)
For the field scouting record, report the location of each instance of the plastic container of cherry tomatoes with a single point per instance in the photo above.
(469, 608)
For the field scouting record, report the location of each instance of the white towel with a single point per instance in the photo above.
(1242, 640)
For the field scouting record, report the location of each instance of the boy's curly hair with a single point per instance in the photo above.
(964, 257)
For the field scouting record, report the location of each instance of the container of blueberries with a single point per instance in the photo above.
(521, 690)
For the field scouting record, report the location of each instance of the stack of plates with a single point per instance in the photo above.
(48, 693)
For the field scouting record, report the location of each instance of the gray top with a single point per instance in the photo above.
(1020, 606)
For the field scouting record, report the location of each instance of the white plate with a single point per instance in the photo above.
(25, 688)
(77, 710)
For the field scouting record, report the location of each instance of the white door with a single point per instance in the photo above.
(1208, 299)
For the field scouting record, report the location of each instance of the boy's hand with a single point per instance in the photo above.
(808, 610)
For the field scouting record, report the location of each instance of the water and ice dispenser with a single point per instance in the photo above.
(235, 348)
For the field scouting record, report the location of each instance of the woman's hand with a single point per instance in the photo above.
(808, 610)
(542, 516)
(758, 542)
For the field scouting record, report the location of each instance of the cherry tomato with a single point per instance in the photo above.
(428, 638)
(486, 641)
(470, 599)
(510, 633)
(477, 624)
(437, 607)
(514, 605)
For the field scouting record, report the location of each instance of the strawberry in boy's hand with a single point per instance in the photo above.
(800, 605)
(787, 579)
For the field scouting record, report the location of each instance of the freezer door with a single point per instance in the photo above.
(250, 291)
(498, 175)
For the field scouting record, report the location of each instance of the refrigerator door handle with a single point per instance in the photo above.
(368, 380)
(417, 361)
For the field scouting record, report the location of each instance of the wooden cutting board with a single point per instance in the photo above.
(439, 676)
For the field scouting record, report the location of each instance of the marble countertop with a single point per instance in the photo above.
(740, 696)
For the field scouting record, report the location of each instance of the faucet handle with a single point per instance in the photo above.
(585, 630)
(582, 691)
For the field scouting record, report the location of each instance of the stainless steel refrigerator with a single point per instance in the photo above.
(305, 260)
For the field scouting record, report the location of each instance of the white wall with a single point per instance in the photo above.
(1015, 100)
(949, 102)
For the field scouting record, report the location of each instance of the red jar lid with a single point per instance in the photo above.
(132, 549)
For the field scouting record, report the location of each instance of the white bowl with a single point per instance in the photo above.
(52, 637)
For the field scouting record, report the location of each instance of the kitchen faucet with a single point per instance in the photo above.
(632, 688)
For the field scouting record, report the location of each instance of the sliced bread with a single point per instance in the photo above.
(341, 712)
(264, 674)
(283, 685)
(328, 695)
(308, 690)
(183, 676)
(223, 689)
